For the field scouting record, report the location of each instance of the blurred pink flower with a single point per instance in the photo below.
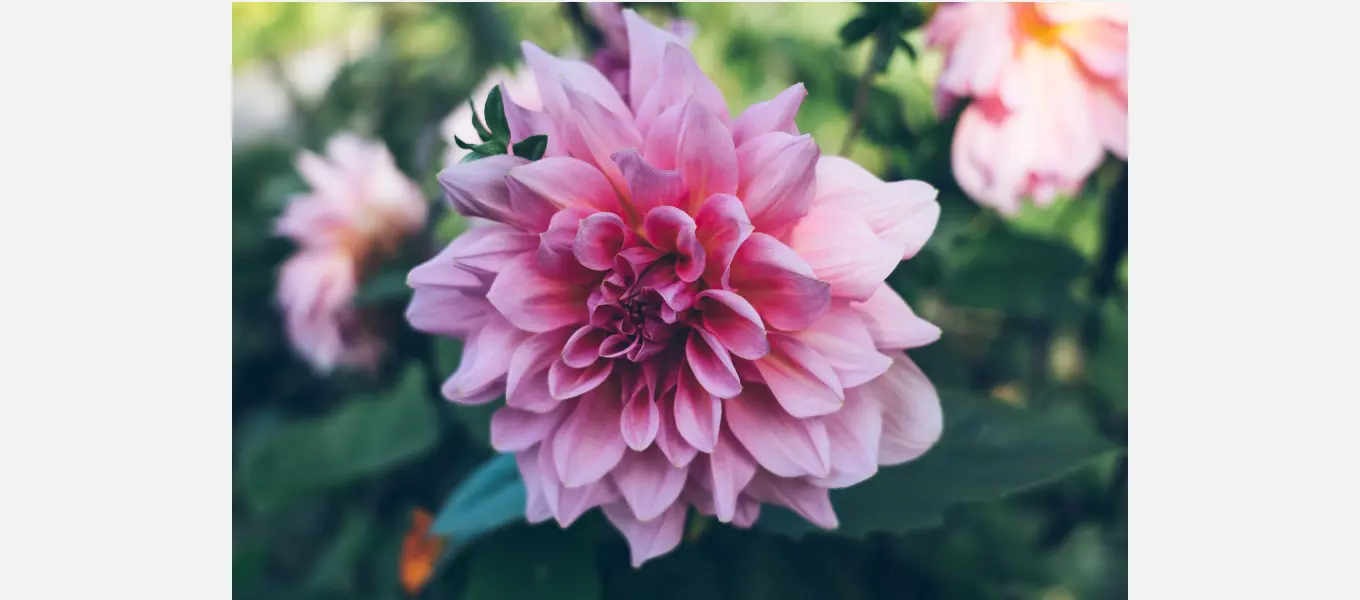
(611, 58)
(1049, 83)
(359, 208)
(518, 85)
(681, 308)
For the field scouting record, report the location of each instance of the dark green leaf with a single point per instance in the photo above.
(367, 435)
(987, 450)
(383, 287)
(1020, 275)
(490, 148)
(477, 124)
(907, 47)
(857, 29)
(471, 157)
(491, 497)
(335, 568)
(495, 116)
(534, 562)
(532, 147)
(464, 145)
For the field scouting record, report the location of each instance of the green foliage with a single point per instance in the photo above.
(367, 435)
(490, 497)
(987, 450)
(534, 562)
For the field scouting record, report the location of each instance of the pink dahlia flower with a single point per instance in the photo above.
(358, 209)
(1049, 83)
(681, 309)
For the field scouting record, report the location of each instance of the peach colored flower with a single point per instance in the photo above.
(359, 208)
(681, 308)
(1049, 89)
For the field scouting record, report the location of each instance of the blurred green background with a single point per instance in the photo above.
(328, 469)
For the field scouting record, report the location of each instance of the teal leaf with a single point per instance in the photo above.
(987, 450)
(534, 562)
(491, 497)
(495, 116)
(464, 145)
(367, 435)
(532, 147)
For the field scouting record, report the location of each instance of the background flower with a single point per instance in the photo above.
(681, 308)
(1048, 84)
(359, 208)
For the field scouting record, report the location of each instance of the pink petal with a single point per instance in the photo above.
(721, 226)
(483, 362)
(594, 134)
(844, 252)
(491, 247)
(477, 188)
(649, 186)
(900, 211)
(600, 238)
(646, 46)
(705, 155)
(648, 483)
(892, 324)
(557, 248)
(912, 420)
(783, 444)
(809, 501)
(711, 364)
(668, 437)
(569, 382)
(697, 413)
(524, 122)
(448, 312)
(660, 145)
(802, 380)
(648, 539)
(855, 432)
(566, 182)
(772, 115)
(671, 230)
(734, 322)
(748, 510)
(526, 384)
(536, 509)
(514, 430)
(554, 74)
(583, 347)
(639, 421)
(568, 503)
(730, 468)
(535, 302)
(778, 283)
(587, 444)
(843, 340)
(681, 80)
(777, 176)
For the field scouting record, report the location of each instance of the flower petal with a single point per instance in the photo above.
(734, 322)
(912, 419)
(526, 383)
(514, 430)
(698, 414)
(670, 229)
(648, 186)
(801, 379)
(842, 339)
(483, 361)
(892, 324)
(566, 182)
(721, 226)
(477, 188)
(648, 483)
(587, 444)
(554, 74)
(711, 364)
(777, 176)
(565, 381)
(778, 283)
(680, 80)
(783, 444)
(668, 437)
(844, 252)
(855, 431)
(772, 115)
(730, 468)
(900, 211)
(646, 46)
(534, 301)
(705, 155)
(809, 501)
(599, 239)
(639, 421)
(648, 539)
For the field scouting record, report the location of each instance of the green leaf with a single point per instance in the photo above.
(532, 147)
(464, 145)
(491, 497)
(367, 435)
(1016, 274)
(477, 124)
(495, 116)
(383, 287)
(987, 450)
(1109, 364)
(907, 47)
(534, 562)
(334, 569)
(857, 29)
(490, 148)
